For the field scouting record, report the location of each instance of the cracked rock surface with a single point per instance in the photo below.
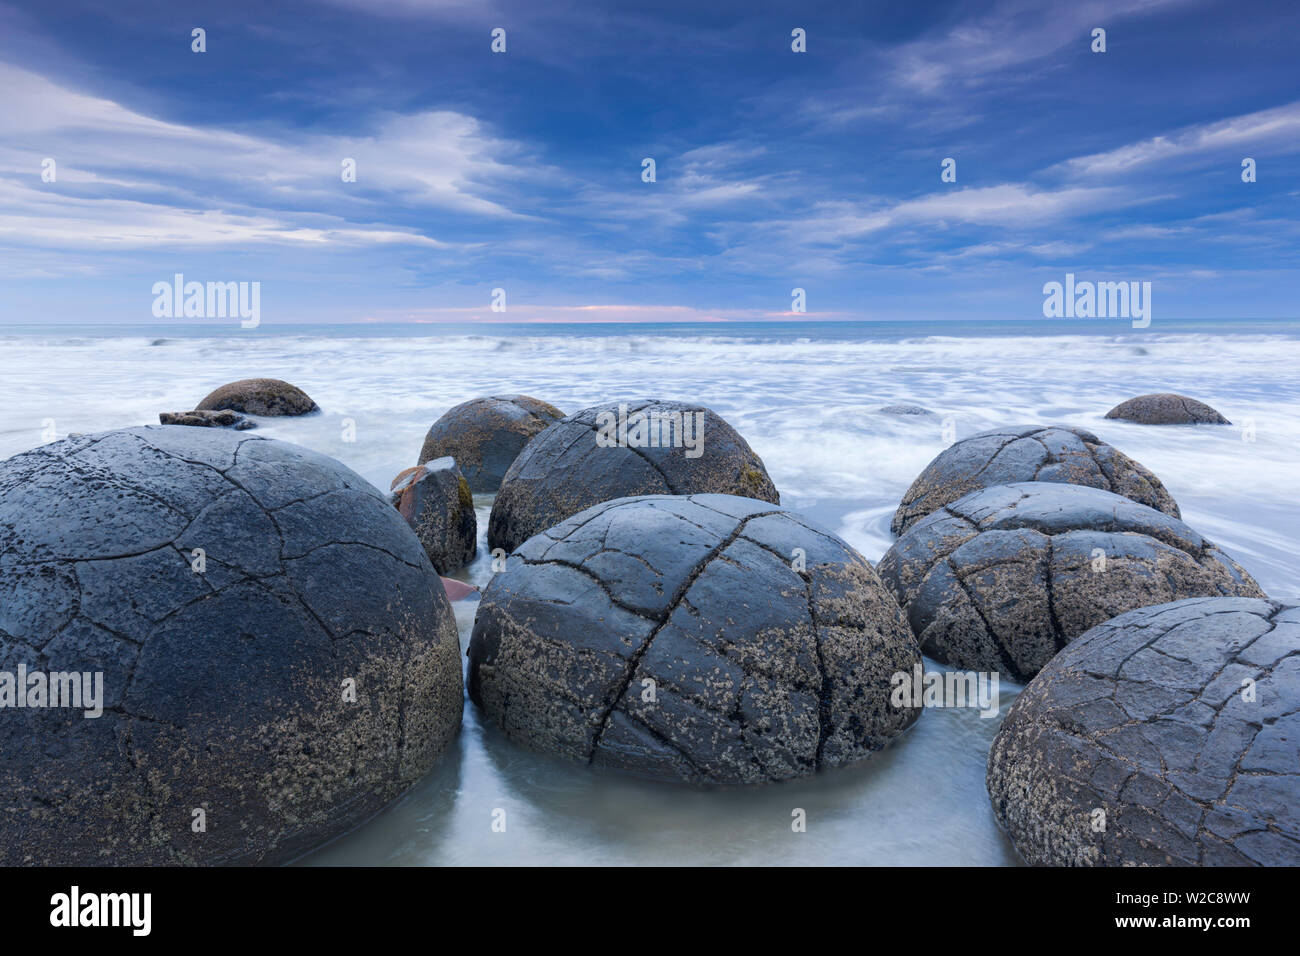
(1166, 408)
(1002, 579)
(1002, 456)
(563, 471)
(259, 396)
(223, 689)
(670, 637)
(1180, 723)
(436, 502)
(486, 435)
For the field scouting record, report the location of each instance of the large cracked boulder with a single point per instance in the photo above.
(435, 500)
(259, 396)
(1167, 736)
(275, 658)
(672, 637)
(1004, 578)
(1002, 456)
(617, 451)
(1166, 408)
(486, 435)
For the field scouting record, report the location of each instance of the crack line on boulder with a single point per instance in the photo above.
(635, 659)
(604, 585)
(1058, 632)
(1004, 654)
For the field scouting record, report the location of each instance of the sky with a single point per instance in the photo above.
(522, 170)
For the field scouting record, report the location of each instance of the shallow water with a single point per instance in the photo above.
(807, 403)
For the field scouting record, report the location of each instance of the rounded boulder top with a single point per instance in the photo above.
(1004, 578)
(702, 638)
(1175, 727)
(485, 435)
(620, 450)
(1166, 408)
(259, 396)
(235, 624)
(1051, 453)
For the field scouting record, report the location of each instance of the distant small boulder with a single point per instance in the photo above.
(206, 419)
(260, 396)
(904, 410)
(1166, 408)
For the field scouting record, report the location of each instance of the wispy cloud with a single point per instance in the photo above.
(1008, 36)
(126, 178)
(1275, 130)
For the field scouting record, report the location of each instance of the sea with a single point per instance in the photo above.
(807, 396)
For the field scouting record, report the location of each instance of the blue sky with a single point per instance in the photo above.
(522, 170)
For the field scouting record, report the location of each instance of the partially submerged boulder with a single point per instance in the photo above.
(485, 436)
(620, 450)
(435, 500)
(904, 410)
(1004, 578)
(1166, 408)
(708, 638)
(274, 655)
(1167, 736)
(259, 396)
(205, 419)
(1002, 456)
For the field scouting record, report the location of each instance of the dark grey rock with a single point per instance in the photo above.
(486, 435)
(259, 396)
(223, 689)
(435, 500)
(1004, 578)
(565, 470)
(758, 672)
(205, 419)
(904, 410)
(1002, 456)
(1166, 408)
(1143, 744)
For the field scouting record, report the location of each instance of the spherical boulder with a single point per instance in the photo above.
(259, 396)
(251, 650)
(435, 500)
(1166, 408)
(486, 435)
(1004, 578)
(1002, 456)
(621, 450)
(702, 638)
(1167, 736)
